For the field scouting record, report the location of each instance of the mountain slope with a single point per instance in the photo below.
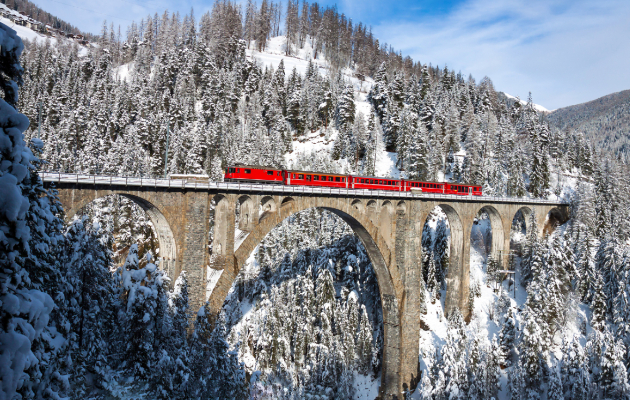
(605, 121)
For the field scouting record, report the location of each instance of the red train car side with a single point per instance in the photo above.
(303, 178)
(462, 190)
(364, 182)
(425, 187)
(244, 173)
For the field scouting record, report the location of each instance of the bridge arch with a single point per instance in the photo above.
(267, 207)
(219, 215)
(498, 234)
(526, 212)
(457, 275)
(554, 218)
(380, 255)
(168, 246)
(245, 213)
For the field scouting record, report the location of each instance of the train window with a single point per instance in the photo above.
(269, 172)
(315, 177)
(343, 179)
(248, 171)
(300, 176)
(278, 173)
(308, 177)
(330, 179)
(238, 170)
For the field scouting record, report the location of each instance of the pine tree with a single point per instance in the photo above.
(531, 250)
(614, 375)
(173, 365)
(598, 304)
(507, 337)
(432, 284)
(88, 262)
(144, 293)
(532, 353)
(364, 343)
(453, 357)
(555, 386)
(574, 370)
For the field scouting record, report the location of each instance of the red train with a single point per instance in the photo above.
(253, 174)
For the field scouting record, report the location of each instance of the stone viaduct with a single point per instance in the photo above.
(389, 224)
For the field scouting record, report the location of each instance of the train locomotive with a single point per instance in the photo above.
(264, 175)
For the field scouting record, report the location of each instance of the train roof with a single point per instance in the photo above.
(315, 173)
(254, 167)
(376, 177)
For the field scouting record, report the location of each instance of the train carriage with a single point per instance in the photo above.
(462, 190)
(372, 183)
(253, 174)
(304, 178)
(424, 187)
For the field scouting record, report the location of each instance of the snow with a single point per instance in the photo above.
(123, 72)
(213, 277)
(274, 53)
(537, 107)
(365, 387)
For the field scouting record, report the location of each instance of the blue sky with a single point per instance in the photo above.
(564, 52)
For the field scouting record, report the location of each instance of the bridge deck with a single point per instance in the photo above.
(87, 180)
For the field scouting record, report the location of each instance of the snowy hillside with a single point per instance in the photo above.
(29, 34)
(537, 107)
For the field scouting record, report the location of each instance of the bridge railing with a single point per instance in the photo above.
(185, 184)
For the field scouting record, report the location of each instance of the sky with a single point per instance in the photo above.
(564, 52)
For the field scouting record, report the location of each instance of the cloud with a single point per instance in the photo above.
(563, 52)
